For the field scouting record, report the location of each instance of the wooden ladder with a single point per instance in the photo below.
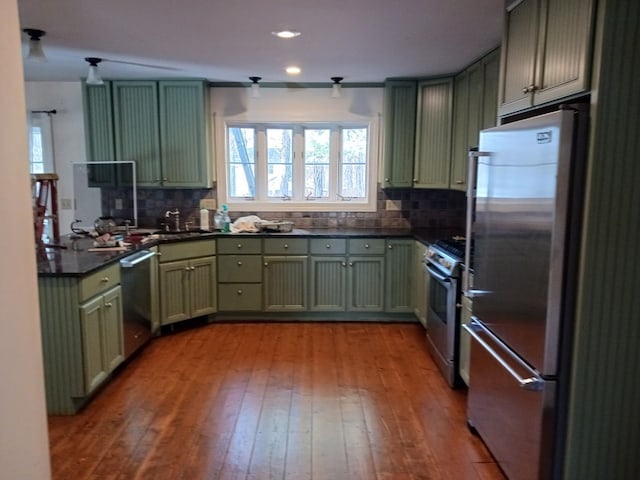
(44, 190)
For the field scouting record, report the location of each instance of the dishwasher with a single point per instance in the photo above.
(135, 280)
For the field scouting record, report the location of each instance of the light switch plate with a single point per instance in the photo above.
(208, 203)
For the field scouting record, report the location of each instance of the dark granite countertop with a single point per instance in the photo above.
(75, 259)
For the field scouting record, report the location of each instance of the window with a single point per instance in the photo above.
(40, 143)
(299, 167)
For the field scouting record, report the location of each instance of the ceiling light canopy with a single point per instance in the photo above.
(92, 77)
(293, 70)
(35, 47)
(286, 34)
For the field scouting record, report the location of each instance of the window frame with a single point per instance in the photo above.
(261, 202)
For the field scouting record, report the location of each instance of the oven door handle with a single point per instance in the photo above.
(437, 275)
(534, 382)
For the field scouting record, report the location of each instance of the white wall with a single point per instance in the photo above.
(24, 449)
(68, 133)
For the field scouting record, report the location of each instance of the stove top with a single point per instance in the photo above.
(447, 255)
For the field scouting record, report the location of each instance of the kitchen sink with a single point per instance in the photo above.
(177, 234)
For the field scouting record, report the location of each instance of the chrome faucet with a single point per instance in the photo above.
(176, 215)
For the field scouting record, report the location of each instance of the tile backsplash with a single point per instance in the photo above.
(397, 208)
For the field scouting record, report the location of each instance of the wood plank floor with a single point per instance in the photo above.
(275, 401)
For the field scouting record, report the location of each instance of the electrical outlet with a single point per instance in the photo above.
(394, 205)
(65, 204)
(118, 204)
(208, 203)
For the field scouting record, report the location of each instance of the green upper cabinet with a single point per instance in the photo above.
(475, 100)
(399, 128)
(433, 133)
(136, 125)
(161, 125)
(98, 125)
(546, 53)
(184, 134)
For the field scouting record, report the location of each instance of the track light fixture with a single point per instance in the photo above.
(255, 87)
(336, 89)
(92, 77)
(35, 47)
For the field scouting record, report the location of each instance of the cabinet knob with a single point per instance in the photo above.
(390, 247)
(414, 180)
(239, 263)
(328, 245)
(104, 279)
(108, 304)
(239, 292)
(286, 246)
(344, 264)
(387, 180)
(366, 245)
(186, 269)
(266, 264)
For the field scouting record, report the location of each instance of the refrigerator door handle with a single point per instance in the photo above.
(475, 293)
(533, 383)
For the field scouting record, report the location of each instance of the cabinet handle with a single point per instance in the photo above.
(239, 292)
(239, 263)
(459, 182)
(104, 279)
(108, 304)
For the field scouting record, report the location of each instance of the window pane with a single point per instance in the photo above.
(353, 182)
(316, 181)
(242, 168)
(317, 158)
(37, 154)
(279, 162)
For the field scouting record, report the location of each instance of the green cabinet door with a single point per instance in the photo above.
(420, 283)
(95, 371)
(102, 340)
(174, 293)
(285, 283)
(433, 133)
(135, 110)
(365, 292)
(490, 81)
(460, 145)
(546, 52)
(202, 286)
(399, 132)
(398, 276)
(184, 134)
(328, 282)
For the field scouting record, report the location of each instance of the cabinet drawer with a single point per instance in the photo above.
(329, 246)
(99, 281)
(239, 245)
(239, 268)
(366, 246)
(286, 246)
(236, 297)
(170, 252)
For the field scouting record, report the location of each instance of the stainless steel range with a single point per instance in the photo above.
(442, 261)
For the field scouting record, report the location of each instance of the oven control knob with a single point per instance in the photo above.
(445, 263)
(431, 253)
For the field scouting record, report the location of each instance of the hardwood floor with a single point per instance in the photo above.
(275, 401)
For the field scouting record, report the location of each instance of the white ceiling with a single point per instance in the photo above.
(360, 40)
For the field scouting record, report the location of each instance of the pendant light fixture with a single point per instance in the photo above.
(336, 89)
(35, 47)
(255, 87)
(92, 77)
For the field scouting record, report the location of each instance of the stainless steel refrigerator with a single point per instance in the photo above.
(526, 231)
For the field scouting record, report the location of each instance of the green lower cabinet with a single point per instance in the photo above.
(240, 297)
(285, 283)
(328, 284)
(187, 289)
(240, 276)
(420, 283)
(398, 292)
(102, 340)
(365, 276)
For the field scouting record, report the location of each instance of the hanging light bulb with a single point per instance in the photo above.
(336, 89)
(35, 47)
(92, 77)
(255, 87)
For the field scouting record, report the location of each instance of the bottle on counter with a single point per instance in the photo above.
(226, 220)
(204, 219)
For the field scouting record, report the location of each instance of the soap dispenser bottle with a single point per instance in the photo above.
(226, 221)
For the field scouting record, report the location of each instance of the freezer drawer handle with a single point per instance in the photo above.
(534, 383)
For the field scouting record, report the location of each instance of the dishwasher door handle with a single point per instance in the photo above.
(136, 258)
(534, 382)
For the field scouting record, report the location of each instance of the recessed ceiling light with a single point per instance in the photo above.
(293, 70)
(286, 34)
